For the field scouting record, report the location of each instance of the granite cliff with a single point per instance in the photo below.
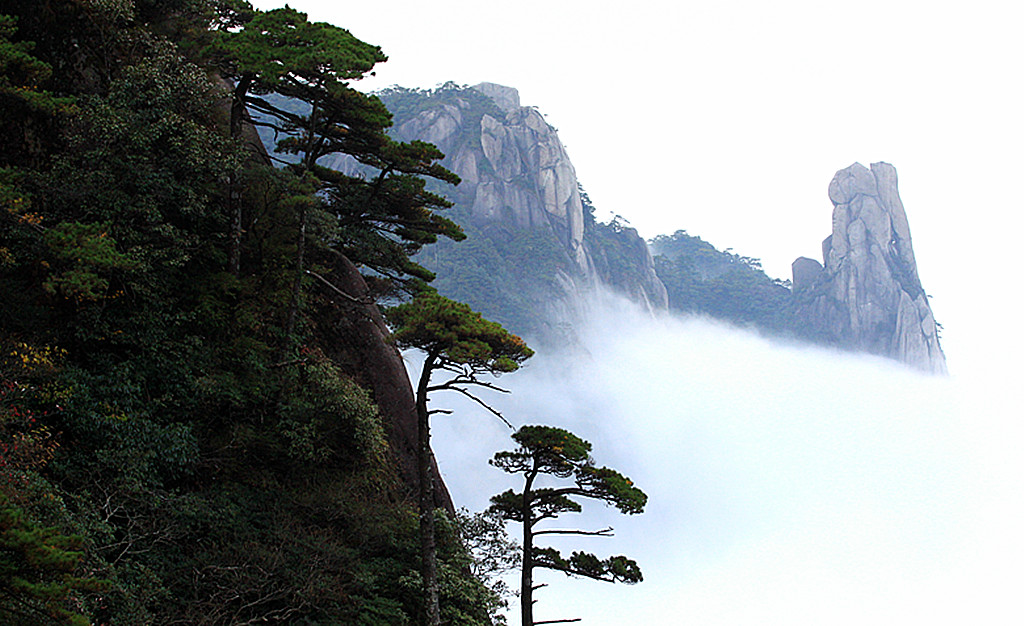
(521, 201)
(512, 165)
(868, 296)
(535, 250)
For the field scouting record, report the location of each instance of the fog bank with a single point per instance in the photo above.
(788, 484)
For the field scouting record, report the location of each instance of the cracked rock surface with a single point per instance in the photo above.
(868, 296)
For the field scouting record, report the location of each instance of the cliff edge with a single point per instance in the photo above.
(868, 296)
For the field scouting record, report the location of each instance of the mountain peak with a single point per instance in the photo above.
(868, 296)
(507, 98)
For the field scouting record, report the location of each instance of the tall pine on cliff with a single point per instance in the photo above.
(180, 407)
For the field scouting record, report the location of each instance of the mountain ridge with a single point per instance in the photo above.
(519, 184)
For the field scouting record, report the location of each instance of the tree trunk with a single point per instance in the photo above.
(428, 541)
(234, 203)
(526, 583)
(300, 260)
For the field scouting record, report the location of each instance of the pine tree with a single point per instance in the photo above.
(459, 341)
(555, 452)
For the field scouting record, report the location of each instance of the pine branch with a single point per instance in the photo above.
(465, 379)
(489, 408)
(338, 291)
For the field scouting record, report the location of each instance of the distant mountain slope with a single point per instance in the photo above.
(704, 280)
(534, 249)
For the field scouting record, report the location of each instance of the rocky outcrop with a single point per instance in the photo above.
(362, 343)
(512, 165)
(622, 260)
(867, 296)
(515, 170)
(806, 272)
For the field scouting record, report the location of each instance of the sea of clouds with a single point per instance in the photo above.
(788, 484)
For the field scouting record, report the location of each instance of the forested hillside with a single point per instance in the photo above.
(703, 280)
(200, 419)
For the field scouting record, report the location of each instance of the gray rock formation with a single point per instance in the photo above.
(514, 169)
(806, 272)
(507, 98)
(868, 295)
(513, 166)
(636, 278)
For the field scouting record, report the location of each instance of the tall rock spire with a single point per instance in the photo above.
(868, 295)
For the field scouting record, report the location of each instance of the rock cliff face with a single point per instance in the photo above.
(362, 345)
(512, 165)
(868, 295)
(515, 171)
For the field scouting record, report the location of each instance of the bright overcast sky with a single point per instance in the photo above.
(728, 119)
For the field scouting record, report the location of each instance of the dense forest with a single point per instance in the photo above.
(703, 280)
(193, 425)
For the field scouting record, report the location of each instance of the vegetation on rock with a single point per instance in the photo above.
(187, 432)
(703, 280)
(459, 341)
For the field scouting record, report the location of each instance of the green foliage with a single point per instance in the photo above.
(550, 450)
(507, 273)
(586, 565)
(37, 565)
(703, 280)
(465, 600)
(281, 52)
(555, 452)
(492, 552)
(21, 74)
(617, 250)
(90, 252)
(383, 222)
(324, 414)
(547, 450)
(293, 75)
(163, 424)
(455, 334)
(281, 46)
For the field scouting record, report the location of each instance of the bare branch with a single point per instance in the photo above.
(558, 621)
(604, 532)
(489, 408)
(465, 380)
(338, 291)
(451, 367)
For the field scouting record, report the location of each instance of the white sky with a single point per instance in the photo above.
(729, 118)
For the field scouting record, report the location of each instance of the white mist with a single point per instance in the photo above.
(788, 485)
